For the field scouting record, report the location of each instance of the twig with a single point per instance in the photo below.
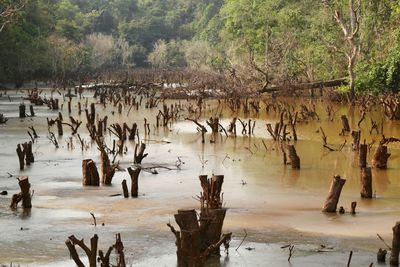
(349, 261)
(384, 242)
(94, 218)
(245, 235)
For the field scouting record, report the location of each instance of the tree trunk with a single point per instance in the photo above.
(394, 255)
(90, 173)
(134, 174)
(294, 158)
(334, 194)
(380, 157)
(366, 182)
(363, 155)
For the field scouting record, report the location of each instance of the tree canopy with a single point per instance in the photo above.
(259, 42)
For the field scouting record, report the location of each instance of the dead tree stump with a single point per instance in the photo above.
(125, 189)
(381, 256)
(356, 135)
(90, 252)
(363, 155)
(139, 155)
(353, 207)
(366, 183)
(22, 113)
(294, 158)
(345, 123)
(134, 174)
(21, 157)
(24, 195)
(380, 157)
(394, 255)
(90, 173)
(107, 169)
(29, 158)
(334, 194)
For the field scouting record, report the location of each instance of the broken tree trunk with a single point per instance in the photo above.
(139, 155)
(107, 169)
(24, 195)
(345, 123)
(22, 113)
(21, 156)
(90, 252)
(90, 173)
(394, 255)
(363, 155)
(294, 158)
(380, 157)
(29, 158)
(134, 174)
(366, 182)
(334, 194)
(125, 189)
(356, 139)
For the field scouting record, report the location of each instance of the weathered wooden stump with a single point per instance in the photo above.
(356, 135)
(363, 151)
(139, 155)
(22, 113)
(353, 207)
(24, 195)
(107, 169)
(345, 123)
(394, 255)
(21, 157)
(134, 174)
(90, 173)
(366, 182)
(334, 194)
(294, 158)
(29, 158)
(380, 157)
(125, 189)
(381, 255)
(90, 252)
(31, 111)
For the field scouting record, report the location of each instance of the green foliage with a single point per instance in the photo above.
(271, 41)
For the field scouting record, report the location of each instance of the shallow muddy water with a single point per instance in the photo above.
(275, 204)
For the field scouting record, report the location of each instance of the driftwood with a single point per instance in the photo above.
(394, 255)
(134, 174)
(24, 195)
(90, 173)
(334, 194)
(366, 182)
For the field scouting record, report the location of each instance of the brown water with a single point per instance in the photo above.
(276, 206)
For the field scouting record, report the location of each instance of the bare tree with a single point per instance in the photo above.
(8, 11)
(350, 33)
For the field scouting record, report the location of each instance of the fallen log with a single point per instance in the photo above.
(304, 86)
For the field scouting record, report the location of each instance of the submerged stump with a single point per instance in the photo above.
(90, 173)
(394, 255)
(366, 183)
(380, 157)
(334, 194)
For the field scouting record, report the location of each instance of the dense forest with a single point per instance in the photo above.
(260, 42)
